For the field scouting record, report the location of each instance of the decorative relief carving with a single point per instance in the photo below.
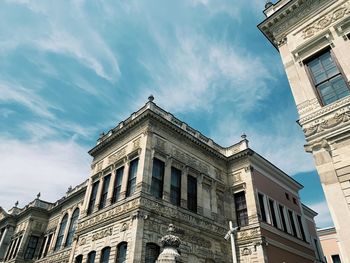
(189, 160)
(327, 20)
(101, 234)
(136, 143)
(124, 227)
(171, 212)
(248, 234)
(52, 224)
(160, 144)
(82, 241)
(236, 177)
(122, 209)
(308, 106)
(323, 125)
(246, 252)
(117, 156)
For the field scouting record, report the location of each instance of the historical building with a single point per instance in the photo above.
(153, 170)
(329, 243)
(312, 37)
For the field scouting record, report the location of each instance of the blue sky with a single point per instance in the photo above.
(72, 69)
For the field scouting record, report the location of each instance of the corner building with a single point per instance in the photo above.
(152, 170)
(312, 37)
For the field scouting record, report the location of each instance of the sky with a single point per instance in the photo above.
(73, 69)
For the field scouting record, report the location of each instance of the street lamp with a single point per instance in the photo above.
(230, 234)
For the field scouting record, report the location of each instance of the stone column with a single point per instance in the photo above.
(184, 175)
(111, 187)
(170, 244)
(167, 179)
(200, 194)
(125, 180)
(98, 194)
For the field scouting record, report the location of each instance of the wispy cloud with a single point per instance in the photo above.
(48, 167)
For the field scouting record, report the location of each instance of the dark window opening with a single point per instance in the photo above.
(61, 232)
(105, 255)
(262, 207)
(175, 187)
(241, 209)
(301, 227)
(72, 227)
(91, 257)
(152, 252)
(336, 259)
(292, 223)
(79, 259)
(48, 245)
(104, 193)
(192, 193)
(121, 252)
(92, 198)
(283, 219)
(31, 247)
(157, 178)
(273, 214)
(131, 187)
(117, 184)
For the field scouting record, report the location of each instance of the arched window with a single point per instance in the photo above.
(79, 259)
(91, 257)
(121, 252)
(105, 255)
(61, 232)
(152, 252)
(72, 227)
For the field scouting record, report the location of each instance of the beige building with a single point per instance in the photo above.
(329, 243)
(153, 170)
(312, 37)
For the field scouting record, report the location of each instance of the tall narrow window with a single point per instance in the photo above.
(31, 247)
(92, 198)
(91, 257)
(42, 247)
(262, 207)
(48, 245)
(336, 259)
(105, 255)
(121, 252)
(152, 252)
(175, 186)
(192, 193)
(72, 227)
(18, 243)
(104, 193)
(241, 209)
(292, 223)
(79, 259)
(61, 232)
(301, 227)
(327, 78)
(132, 177)
(157, 178)
(9, 250)
(117, 184)
(273, 214)
(283, 218)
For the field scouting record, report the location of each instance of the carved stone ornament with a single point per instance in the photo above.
(327, 20)
(246, 252)
(170, 243)
(170, 240)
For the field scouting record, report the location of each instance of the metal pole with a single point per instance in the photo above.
(233, 246)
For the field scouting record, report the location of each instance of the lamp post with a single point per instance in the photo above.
(230, 234)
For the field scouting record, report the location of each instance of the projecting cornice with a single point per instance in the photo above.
(277, 26)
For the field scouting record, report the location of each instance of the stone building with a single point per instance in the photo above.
(153, 170)
(329, 243)
(312, 37)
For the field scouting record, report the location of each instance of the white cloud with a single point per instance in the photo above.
(14, 92)
(197, 71)
(46, 167)
(323, 219)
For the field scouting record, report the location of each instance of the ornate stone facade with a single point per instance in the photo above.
(153, 170)
(312, 29)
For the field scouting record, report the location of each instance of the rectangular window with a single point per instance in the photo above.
(273, 214)
(104, 193)
(301, 227)
(42, 247)
(17, 247)
(31, 247)
(292, 223)
(327, 78)
(262, 207)
(92, 197)
(241, 209)
(9, 249)
(175, 186)
(283, 218)
(192, 193)
(336, 259)
(117, 184)
(132, 177)
(157, 178)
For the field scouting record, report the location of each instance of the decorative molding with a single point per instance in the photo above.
(189, 160)
(326, 20)
(102, 234)
(117, 156)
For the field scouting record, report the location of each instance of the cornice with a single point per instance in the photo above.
(284, 20)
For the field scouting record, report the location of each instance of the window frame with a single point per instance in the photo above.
(89, 257)
(116, 186)
(192, 198)
(175, 192)
(31, 247)
(92, 199)
(151, 247)
(104, 191)
(72, 227)
(104, 250)
(241, 221)
(311, 76)
(118, 252)
(157, 180)
(60, 234)
(131, 186)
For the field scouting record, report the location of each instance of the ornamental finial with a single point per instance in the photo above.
(16, 204)
(151, 98)
(38, 195)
